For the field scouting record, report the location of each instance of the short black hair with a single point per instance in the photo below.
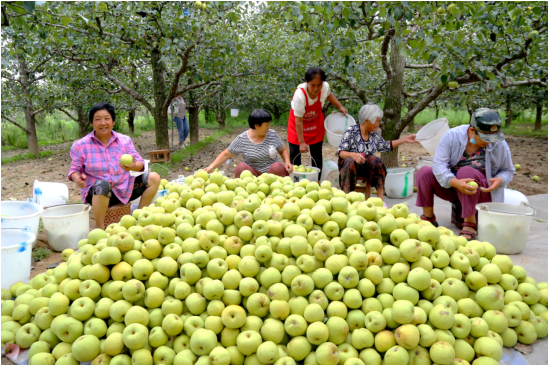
(314, 72)
(102, 106)
(258, 116)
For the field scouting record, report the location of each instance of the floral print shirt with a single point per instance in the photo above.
(477, 161)
(352, 141)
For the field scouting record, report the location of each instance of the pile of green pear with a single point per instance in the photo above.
(302, 168)
(261, 270)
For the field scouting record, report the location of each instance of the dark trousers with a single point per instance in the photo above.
(316, 154)
(373, 170)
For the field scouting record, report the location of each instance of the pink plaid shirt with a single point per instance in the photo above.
(99, 162)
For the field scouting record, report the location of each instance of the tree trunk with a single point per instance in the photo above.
(412, 125)
(160, 113)
(508, 111)
(539, 112)
(221, 120)
(30, 118)
(32, 138)
(436, 110)
(194, 111)
(131, 117)
(392, 109)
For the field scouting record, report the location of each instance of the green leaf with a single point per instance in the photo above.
(102, 7)
(537, 10)
(443, 78)
(404, 52)
(66, 20)
(16, 9)
(29, 6)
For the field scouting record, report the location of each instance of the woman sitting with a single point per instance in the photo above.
(469, 153)
(259, 146)
(357, 148)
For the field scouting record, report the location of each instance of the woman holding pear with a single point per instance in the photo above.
(357, 148)
(101, 165)
(472, 165)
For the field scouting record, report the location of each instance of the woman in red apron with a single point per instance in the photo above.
(306, 123)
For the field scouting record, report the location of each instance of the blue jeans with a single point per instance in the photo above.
(182, 128)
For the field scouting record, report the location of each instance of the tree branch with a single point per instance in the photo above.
(15, 123)
(38, 111)
(361, 93)
(40, 65)
(384, 49)
(507, 84)
(67, 114)
(413, 95)
(107, 90)
(134, 94)
(418, 67)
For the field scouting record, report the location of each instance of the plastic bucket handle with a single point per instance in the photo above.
(5, 178)
(26, 229)
(307, 153)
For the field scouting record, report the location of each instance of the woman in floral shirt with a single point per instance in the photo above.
(357, 148)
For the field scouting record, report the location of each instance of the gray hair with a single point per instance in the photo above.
(369, 112)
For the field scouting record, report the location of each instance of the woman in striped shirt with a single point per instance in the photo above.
(259, 146)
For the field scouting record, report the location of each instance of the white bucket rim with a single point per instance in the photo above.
(405, 170)
(339, 114)
(502, 206)
(28, 242)
(19, 217)
(419, 136)
(50, 209)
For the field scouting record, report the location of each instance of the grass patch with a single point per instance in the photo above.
(26, 156)
(40, 253)
(526, 130)
(192, 149)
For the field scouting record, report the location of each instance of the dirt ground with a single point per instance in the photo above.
(530, 153)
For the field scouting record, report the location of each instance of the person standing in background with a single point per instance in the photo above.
(180, 120)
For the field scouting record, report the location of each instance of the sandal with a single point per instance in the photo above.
(468, 234)
(433, 219)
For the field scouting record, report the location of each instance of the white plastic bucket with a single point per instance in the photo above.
(311, 176)
(514, 197)
(424, 161)
(330, 172)
(65, 225)
(16, 255)
(47, 194)
(17, 214)
(399, 183)
(234, 112)
(335, 125)
(505, 226)
(430, 135)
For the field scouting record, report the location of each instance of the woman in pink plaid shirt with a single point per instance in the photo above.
(97, 171)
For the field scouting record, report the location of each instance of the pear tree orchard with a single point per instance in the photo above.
(267, 271)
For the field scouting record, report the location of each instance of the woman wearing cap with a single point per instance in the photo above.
(469, 153)
(306, 122)
(357, 148)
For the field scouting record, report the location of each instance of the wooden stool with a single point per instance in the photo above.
(361, 189)
(160, 156)
(116, 212)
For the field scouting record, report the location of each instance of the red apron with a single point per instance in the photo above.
(313, 123)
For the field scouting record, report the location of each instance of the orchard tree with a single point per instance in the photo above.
(458, 44)
(23, 64)
(160, 39)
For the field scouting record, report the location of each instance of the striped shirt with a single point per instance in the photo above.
(257, 155)
(99, 162)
